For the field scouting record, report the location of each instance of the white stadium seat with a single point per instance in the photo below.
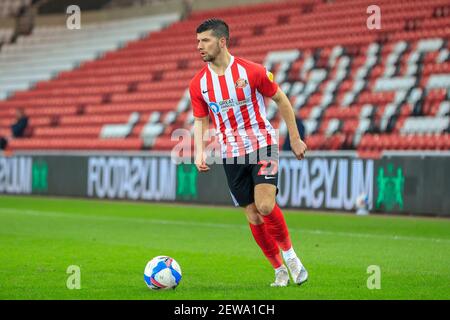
(444, 109)
(439, 81)
(425, 125)
(119, 130)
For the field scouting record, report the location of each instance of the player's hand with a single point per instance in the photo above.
(200, 163)
(298, 148)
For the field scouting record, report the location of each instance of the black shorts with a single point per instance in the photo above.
(245, 172)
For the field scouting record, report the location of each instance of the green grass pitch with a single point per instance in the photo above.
(112, 241)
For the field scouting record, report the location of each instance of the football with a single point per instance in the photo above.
(162, 272)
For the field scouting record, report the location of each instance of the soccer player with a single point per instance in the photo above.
(230, 91)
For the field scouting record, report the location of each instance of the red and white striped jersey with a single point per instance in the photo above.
(235, 103)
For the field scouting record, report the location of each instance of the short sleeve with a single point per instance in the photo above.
(266, 85)
(199, 106)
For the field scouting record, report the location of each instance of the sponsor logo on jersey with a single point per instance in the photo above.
(269, 75)
(248, 100)
(214, 107)
(241, 83)
(225, 105)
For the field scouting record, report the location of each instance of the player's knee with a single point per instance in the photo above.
(253, 216)
(265, 206)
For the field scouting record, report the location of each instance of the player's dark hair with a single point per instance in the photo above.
(218, 27)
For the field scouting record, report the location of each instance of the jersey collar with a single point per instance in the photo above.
(228, 67)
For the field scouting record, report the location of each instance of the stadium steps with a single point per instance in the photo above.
(50, 50)
(355, 89)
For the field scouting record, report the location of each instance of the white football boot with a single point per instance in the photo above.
(298, 272)
(281, 277)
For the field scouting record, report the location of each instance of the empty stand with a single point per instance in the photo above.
(355, 88)
(5, 35)
(50, 50)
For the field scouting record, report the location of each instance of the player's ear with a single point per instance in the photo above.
(223, 42)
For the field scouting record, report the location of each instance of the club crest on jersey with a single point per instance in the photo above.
(241, 83)
(214, 107)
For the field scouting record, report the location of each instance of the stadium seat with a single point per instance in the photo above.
(119, 130)
(50, 50)
(345, 82)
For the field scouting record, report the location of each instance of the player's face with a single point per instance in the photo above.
(208, 46)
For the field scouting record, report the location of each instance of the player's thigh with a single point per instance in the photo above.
(265, 194)
(265, 179)
(265, 168)
(240, 183)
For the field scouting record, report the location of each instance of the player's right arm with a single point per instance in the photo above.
(201, 124)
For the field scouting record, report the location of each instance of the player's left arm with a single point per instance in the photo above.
(288, 115)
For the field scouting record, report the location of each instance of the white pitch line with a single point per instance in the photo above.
(60, 214)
